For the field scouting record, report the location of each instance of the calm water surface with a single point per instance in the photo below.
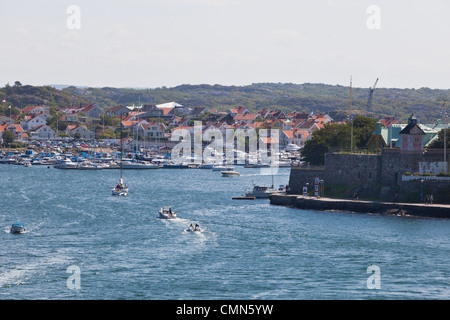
(247, 250)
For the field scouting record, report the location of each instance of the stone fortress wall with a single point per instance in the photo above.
(376, 176)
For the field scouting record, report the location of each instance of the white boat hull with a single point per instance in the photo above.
(119, 192)
(230, 173)
(139, 166)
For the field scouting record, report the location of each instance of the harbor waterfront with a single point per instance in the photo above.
(82, 243)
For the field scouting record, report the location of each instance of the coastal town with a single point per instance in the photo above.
(147, 124)
(152, 123)
(394, 163)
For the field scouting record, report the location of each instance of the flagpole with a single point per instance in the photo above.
(445, 137)
(351, 116)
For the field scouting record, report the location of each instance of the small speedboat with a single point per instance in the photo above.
(167, 213)
(230, 173)
(17, 228)
(193, 228)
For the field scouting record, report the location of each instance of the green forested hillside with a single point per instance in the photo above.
(425, 103)
(20, 96)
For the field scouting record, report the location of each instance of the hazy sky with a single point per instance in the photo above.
(154, 43)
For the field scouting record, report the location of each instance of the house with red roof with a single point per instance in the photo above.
(295, 136)
(19, 133)
(239, 110)
(246, 118)
(91, 110)
(81, 130)
(118, 111)
(152, 130)
(33, 110)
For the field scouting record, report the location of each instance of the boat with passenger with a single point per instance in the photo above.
(193, 228)
(120, 190)
(17, 228)
(167, 213)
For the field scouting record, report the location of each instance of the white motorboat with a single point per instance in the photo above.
(167, 213)
(292, 147)
(138, 164)
(261, 192)
(27, 164)
(87, 165)
(66, 163)
(229, 173)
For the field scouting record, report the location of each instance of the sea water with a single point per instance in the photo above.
(83, 243)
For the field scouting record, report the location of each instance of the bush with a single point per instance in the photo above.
(443, 174)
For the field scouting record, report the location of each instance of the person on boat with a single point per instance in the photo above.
(191, 227)
(120, 185)
(197, 227)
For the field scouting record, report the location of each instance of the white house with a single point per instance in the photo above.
(152, 130)
(32, 121)
(83, 132)
(33, 110)
(42, 132)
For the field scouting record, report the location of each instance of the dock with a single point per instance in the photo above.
(362, 206)
(243, 198)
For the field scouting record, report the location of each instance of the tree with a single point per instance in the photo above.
(337, 137)
(333, 135)
(439, 142)
(363, 128)
(8, 137)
